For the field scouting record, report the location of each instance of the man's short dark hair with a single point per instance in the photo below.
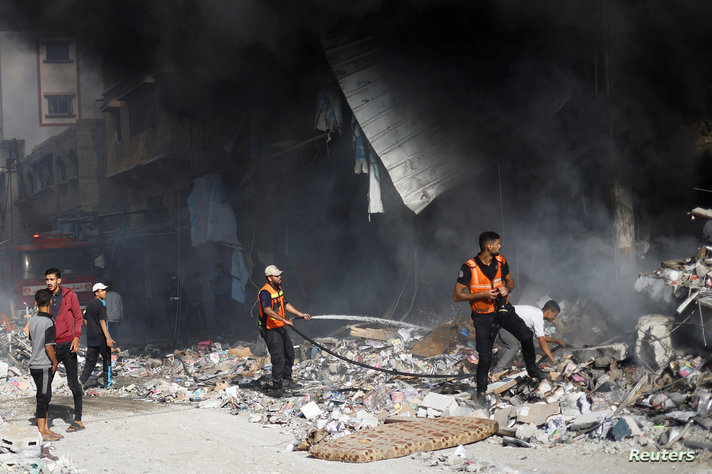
(55, 271)
(43, 297)
(487, 237)
(551, 305)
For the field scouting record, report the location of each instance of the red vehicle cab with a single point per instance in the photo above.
(29, 261)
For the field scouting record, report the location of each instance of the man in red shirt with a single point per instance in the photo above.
(68, 320)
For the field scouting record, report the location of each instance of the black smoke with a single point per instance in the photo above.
(550, 101)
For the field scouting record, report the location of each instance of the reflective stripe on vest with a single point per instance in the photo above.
(479, 282)
(278, 300)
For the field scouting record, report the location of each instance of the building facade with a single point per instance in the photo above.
(46, 85)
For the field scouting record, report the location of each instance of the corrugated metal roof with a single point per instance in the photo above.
(413, 145)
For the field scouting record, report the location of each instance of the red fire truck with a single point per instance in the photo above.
(25, 265)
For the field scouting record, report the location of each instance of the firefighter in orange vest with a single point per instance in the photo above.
(485, 282)
(273, 318)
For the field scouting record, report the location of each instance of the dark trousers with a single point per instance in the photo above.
(69, 360)
(281, 351)
(43, 381)
(114, 328)
(486, 328)
(93, 353)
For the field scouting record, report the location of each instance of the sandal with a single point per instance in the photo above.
(75, 427)
(51, 437)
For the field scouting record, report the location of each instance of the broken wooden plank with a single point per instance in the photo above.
(501, 386)
(370, 333)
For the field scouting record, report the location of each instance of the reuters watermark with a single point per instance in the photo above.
(636, 455)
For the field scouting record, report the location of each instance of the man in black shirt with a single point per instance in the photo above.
(99, 342)
(485, 282)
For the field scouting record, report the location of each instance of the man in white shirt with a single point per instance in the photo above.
(534, 318)
(114, 310)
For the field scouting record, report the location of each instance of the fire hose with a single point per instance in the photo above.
(380, 369)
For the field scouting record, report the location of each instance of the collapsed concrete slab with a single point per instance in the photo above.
(588, 420)
(653, 345)
(442, 403)
(602, 355)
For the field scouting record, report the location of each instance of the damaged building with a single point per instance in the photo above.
(362, 150)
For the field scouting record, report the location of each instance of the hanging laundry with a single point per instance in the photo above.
(212, 220)
(360, 148)
(328, 110)
(240, 276)
(375, 205)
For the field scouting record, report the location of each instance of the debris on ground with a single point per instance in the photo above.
(598, 396)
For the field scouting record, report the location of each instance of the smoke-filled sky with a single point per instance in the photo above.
(552, 99)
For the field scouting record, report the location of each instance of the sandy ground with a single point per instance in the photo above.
(132, 436)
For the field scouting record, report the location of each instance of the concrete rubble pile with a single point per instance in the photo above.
(22, 450)
(600, 397)
(684, 286)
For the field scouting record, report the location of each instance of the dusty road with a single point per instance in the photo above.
(131, 436)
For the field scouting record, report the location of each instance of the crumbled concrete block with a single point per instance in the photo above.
(442, 403)
(3, 368)
(588, 420)
(653, 344)
(624, 428)
(367, 419)
(526, 431)
(433, 413)
(617, 352)
(17, 438)
(541, 436)
(462, 410)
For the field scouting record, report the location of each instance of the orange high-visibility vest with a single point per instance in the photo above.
(479, 282)
(277, 306)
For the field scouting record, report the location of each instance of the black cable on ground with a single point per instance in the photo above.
(388, 371)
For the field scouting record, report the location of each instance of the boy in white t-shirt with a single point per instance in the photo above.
(534, 318)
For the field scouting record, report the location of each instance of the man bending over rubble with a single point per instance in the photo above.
(271, 323)
(485, 282)
(534, 318)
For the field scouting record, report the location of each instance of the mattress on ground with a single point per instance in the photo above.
(400, 439)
